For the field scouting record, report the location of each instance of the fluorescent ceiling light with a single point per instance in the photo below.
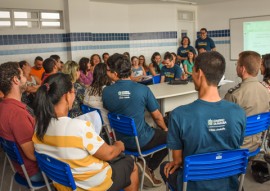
(180, 1)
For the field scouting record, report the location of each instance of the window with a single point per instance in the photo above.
(30, 19)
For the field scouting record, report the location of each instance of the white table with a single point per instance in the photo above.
(172, 96)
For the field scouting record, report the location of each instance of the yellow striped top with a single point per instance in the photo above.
(74, 141)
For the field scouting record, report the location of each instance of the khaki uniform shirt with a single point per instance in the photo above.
(254, 98)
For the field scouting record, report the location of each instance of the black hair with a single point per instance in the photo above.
(266, 64)
(38, 58)
(100, 79)
(8, 71)
(183, 40)
(120, 64)
(105, 53)
(83, 64)
(204, 29)
(168, 55)
(47, 96)
(126, 54)
(212, 65)
(55, 57)
(22, 63)
(48, 65)
(92, 58)
(155, 65)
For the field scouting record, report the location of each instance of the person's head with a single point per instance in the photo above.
(209, 66)
(127, 55)
(57, 61)
(191, 55)
(12, 78)
(248, 64)
(203, 33)
(49, 66)
(72, 68)
(201, 50)
(105, 57)
(95, 59)
(174, 56)
(142, 60)
(85, 65)
(25, 66)
(56, 92)
(156, 58)
(38, 62)
(168, 60)
(185, 41)
(134, 61)
(100, 79)
(265, 67)
(119, 67)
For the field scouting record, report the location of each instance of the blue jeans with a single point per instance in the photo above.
(37, 177)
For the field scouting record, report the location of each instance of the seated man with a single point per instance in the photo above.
(37, 69)
(219, 125)
(16, 124)
(50, 68)
(131, 99)
(251, 95)
(170, 70)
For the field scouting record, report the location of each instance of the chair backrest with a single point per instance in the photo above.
(156, 79)
(56, 170)
(122, 124)
(215, 165)
(86, 109)
(257, 123)
(12, 151)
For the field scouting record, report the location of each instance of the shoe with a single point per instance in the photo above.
(149, 178)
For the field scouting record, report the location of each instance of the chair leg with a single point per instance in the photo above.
(3, 172)
(142, 179)
(11, 183)
(242, 177)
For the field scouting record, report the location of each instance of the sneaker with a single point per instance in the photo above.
(149, 177)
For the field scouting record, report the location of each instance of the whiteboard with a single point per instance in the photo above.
(240, 38)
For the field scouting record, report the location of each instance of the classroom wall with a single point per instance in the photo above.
(92, 27)
(215, 18)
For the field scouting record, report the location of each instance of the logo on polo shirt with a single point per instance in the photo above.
(216, 125)
(124, 94)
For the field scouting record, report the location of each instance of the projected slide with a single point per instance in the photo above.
(257, 36)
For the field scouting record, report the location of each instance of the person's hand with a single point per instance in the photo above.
(166, 129)
(120, 145)
(170, 168)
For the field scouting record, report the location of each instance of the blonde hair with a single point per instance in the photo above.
(71, 67)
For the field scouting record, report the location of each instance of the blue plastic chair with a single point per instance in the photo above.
(156, 79)
(215, 165)
(86, 109)
(55, 170)
(4, 166)
(12, 153)
(126, 126)
(256, 124)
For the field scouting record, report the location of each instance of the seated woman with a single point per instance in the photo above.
(72, 69)
(154, 66)
(143, 64)
(94, 60)
(189, 63)
(86, 76)
(265, 71)
(137, 72)
(32, 84)
(75, 142)
(93, 94)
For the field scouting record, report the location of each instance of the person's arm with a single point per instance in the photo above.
(108, 152)
(152, 69)
(37, 80)
(144, 73)
(186, 70)
(212, 45)
(158, 118)
(162, 79)
(175, 164)
(28, 150)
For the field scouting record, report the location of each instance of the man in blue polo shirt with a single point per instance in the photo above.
(204, 41)
(131, 99)
(219, 125)
(170, 71)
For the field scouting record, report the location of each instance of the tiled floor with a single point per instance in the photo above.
(249, 184)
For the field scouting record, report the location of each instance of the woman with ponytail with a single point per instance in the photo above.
(75, 142)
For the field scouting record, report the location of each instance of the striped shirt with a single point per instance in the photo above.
(75, 142)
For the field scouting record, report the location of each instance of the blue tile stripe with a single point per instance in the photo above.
(75, 37)
(78, 48)
(217, 33)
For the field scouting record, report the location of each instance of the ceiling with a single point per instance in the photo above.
(194, 2)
